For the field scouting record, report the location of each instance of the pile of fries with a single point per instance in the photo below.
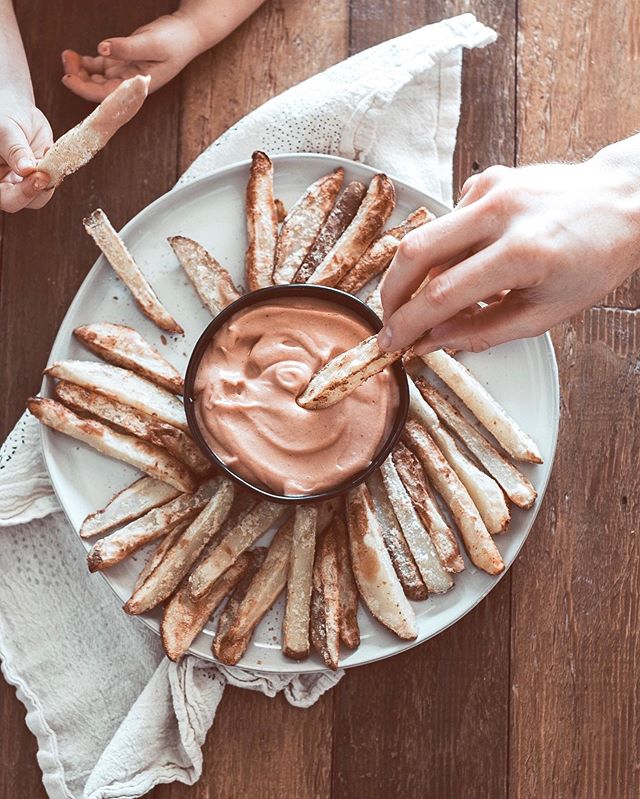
(390, 542)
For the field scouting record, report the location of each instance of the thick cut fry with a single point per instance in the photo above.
(115, 251)
(183, 619)
(394, 540)
(295, 628)
(483, 406)
(246, 532)
(436, 579)
(483, 490)
(302, 225)
(157, 555)
(179, 558)
(123, 386)
(415, 482)
(78, 146)
(344, 373)
(374, 211)
(153, 460)
(376, 579)
(480, 546)
(262, 223)
(153, 525)
(378, 257)
(175, 441)
(515, 485)
(347, 589)
(337, 222)
(325, 601)
(265, 588)
(210, 279)
(124, 346)
(129, 504)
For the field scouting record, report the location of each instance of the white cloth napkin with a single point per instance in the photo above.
(112, 716)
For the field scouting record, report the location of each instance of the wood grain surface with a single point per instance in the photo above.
(534, 694)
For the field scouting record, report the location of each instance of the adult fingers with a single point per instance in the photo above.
(15, 150)
(16, 196)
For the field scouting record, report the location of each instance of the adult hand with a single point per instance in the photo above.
(536, 244)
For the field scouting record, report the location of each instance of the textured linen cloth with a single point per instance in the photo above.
(112, 716)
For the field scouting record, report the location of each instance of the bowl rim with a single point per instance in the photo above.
(257, 297)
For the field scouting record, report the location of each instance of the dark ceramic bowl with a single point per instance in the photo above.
(274, 293)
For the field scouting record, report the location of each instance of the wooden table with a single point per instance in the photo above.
(534, 693)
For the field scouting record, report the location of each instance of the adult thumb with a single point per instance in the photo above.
(15, 150)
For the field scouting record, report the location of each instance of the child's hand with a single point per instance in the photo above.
(25, 135)
(160, 49)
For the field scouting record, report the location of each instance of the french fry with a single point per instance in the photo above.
(374, 211)
(436, 579)
(183, 619)
(302, 225)
(484, 407)
(515, 485)
(394, 540)
(114, 548)
(281, 211)
(123, 386)
(347, 589)
(480, 546)
(210, 279)
(483, 490)
(345, 373)
(129, 504)
(115, 251)
(179, 558)
(78, 146)
(337, 222)
(374, 300)
(266, 586)
(415, 483)
(295, 628)
(381, 251)
(147, 457)
(124, 346)
(325, 601)
(245, 533)
(372, 568)
(175, 441)
(156, 557)
(262, 223)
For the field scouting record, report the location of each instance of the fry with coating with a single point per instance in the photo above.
(262, 223)
(325, 601)
(211, 280)
(295, 628)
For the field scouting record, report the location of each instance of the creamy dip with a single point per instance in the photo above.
(246, 388)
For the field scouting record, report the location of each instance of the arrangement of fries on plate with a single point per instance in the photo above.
(390, 541)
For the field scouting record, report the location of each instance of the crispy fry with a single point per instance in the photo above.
(124, 346)
(436, 579)
(483, 490)
(344, 373)
(262, 223)
(347, 589)
(123, 386)
(246, 532)
(147, 457)
(325, 601)
(265, 588)
(183, 619)
(394, 540)
(129, 504)
(374, 300)
(380, 252)
(295, 628)
(376, 579)
(212, 281)
(480, 546)
(302, 225)
(415, 483)
(156, 557)
(153, 525)
(516, 486)
(484, 407)
(374, 211)
(115, 251)
(78, 146)
(337, 222)
(179, 558)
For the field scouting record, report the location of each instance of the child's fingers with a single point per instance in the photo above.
(16, 196)
(87, 89)
(142, 46)
(15, 150)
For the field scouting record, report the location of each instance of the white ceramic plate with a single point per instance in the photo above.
(522, 375)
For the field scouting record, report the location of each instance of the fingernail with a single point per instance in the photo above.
(25, 163)
(104, 48)
(384, 337)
